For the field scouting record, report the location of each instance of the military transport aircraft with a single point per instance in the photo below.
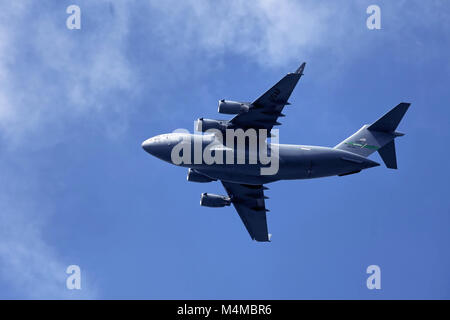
(244, 181)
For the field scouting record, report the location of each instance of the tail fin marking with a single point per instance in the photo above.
(379, 136)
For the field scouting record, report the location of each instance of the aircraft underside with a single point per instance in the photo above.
(208, 155)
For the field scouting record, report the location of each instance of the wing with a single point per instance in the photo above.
(263, 113)
(249, 203)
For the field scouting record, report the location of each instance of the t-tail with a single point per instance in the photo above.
(378, 136)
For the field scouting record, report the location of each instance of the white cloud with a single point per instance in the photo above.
(50, 75)
(27, 262)
(272, 32)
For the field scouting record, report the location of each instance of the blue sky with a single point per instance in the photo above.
(76, 187)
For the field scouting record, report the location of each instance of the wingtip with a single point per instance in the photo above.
(301, 68)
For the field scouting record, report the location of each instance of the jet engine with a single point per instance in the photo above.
(214, 200)
(232, 107)
(194, 176)
(206, 124)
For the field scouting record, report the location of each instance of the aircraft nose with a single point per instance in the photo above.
(147, 145)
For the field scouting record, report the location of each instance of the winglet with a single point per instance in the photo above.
(301, 68)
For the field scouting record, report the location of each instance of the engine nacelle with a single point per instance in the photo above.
(207, 124)
(214, 200)
(232, 107)
(194, 176)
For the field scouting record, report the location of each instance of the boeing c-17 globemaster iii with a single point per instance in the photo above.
(243, 180)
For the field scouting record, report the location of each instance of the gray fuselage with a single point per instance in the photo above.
(293, 161)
